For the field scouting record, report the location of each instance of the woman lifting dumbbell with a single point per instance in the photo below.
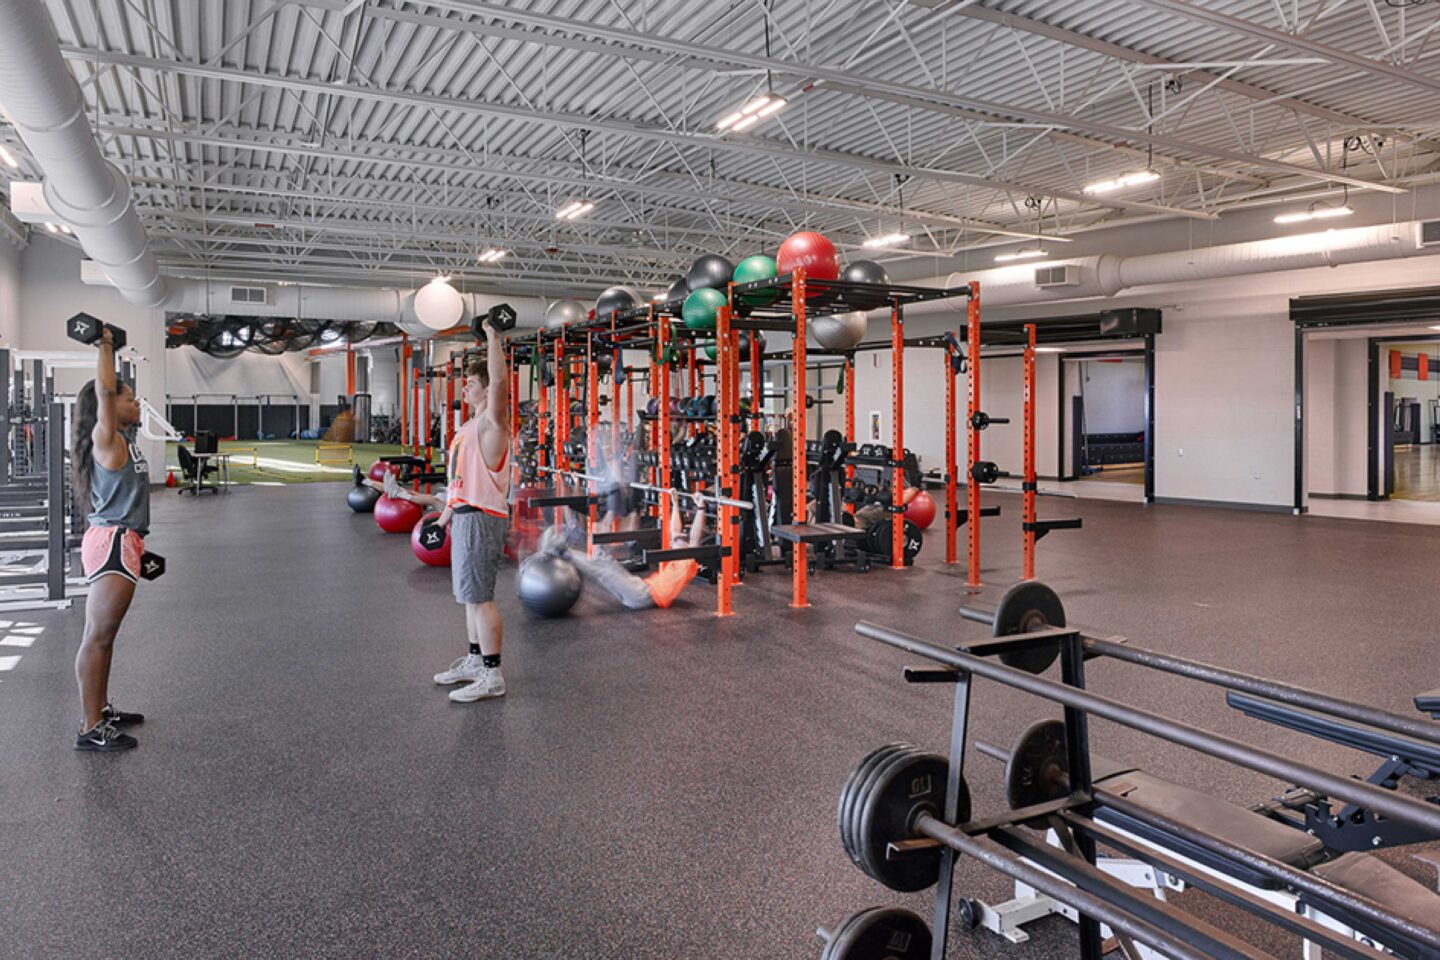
(112, 478)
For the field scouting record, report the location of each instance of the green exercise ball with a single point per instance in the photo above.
(758, 267)
(700, 307)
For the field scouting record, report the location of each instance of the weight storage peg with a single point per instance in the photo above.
(980, 420)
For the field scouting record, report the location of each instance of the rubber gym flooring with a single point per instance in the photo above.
(659, 784)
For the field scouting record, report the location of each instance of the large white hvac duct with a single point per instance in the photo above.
(87, 192)
(1109, 274)
(422, 312)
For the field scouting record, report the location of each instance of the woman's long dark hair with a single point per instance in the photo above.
(82, 443)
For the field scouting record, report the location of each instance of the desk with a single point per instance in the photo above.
(222, 460)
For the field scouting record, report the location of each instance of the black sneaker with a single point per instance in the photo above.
(105, 738)
(108, 714)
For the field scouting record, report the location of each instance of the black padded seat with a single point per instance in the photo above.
(1219, 818)
(816, 532)
(1372, 877)
(1429, 703)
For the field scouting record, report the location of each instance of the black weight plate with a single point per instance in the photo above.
(1037, 771)
(840, 936)
(848, 793)
(1027, 606)
(865, 798)
(908, 785)
(857, 799)
(882, 933)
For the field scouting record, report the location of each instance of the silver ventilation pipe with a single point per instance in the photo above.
(88, 193)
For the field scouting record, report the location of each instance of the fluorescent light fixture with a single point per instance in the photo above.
(51, 227)
(1049, 349)
(1121, 182)
(1027, 253)
(765, 105)
(9, 158)
(756, 105)
(1319, 213)
(1435, 326)
(775, 105)
(574, 209)
(493, 255)
(888, 240)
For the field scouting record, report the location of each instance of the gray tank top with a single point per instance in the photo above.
(121, 498)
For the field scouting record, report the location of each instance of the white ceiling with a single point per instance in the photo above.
(383, 141)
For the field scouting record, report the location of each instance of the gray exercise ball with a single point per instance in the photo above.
(562, 313)
(839, 331)
(362, 499)
(548, 585)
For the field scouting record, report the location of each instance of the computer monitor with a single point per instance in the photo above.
(205, 442)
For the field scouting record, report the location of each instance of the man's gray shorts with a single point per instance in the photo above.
(477, 548)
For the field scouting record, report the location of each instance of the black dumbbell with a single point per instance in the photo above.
(88, 330)
(499, 318)
(152, 565)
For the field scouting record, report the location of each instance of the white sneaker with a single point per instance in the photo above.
(487, 685)
(465, 670)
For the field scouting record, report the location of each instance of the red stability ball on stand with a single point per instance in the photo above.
(921, 510)
(431, 542)
(810, 250)
(397, 516)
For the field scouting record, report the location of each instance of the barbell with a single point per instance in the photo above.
(637, 485)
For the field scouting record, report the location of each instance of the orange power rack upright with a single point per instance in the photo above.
(972, 489)
(662, 344)
(404, 390)
(799, 555)
(592, 423)
(1028, 484)
(897, 431)
(849, 374)
(952, 515)
(727, 381)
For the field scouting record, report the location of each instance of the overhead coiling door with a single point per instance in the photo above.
(1387, 306)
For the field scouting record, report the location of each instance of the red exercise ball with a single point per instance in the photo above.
(379, 468)
(397, 516)
(431, 556)
(921, 510)
(809, 250)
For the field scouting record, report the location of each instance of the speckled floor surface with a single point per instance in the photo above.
(657, 785)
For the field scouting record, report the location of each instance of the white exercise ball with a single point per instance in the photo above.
(839, 331)
(438, 306)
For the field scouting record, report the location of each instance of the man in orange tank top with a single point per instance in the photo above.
(477, 514)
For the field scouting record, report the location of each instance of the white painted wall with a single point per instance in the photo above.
(51, 292)
(1114, 395)
(9, 292)
(188, 372)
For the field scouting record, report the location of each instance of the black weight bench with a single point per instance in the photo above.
(1210, 814)
(1348, 828)
(816, 532)
(1429, 703)
(1375, 879)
